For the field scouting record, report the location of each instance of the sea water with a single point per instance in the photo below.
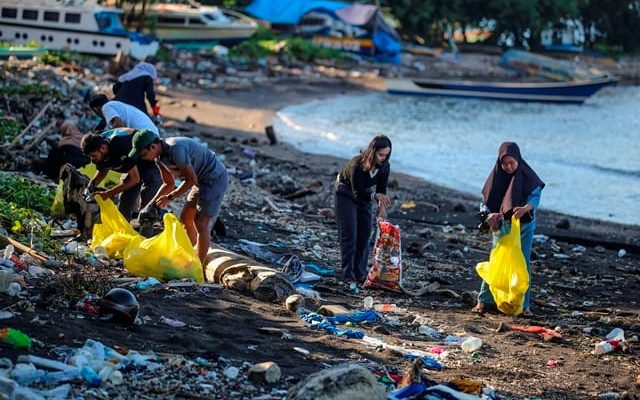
(588, 155)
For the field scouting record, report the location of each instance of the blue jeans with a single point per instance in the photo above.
(526, 239)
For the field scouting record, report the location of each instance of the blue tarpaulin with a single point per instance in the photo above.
(385, 39)
(290, 11)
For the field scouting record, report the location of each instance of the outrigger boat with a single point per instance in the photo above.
(572, 92)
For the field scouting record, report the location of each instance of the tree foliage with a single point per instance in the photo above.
(612, 22)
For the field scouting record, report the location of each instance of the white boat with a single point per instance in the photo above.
(194, 22)
(79, 26)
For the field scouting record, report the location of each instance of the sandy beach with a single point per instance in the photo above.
(581, 286)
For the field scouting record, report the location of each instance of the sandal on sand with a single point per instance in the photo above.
(478, 309)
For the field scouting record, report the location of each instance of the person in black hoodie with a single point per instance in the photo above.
(133, 86)
(354, 198)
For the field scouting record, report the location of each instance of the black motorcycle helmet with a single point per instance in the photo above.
(121, 304)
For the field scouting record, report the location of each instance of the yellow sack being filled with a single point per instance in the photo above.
(112, 178)
(506, 272)
(166, 256)
(113, 232)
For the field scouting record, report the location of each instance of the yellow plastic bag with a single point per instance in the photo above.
(506, 272)
(114, 232)
(166, 256)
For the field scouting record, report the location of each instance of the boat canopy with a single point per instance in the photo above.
(369, 17)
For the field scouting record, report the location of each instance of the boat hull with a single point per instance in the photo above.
(77, 41)
(560, 92)
(192, 34)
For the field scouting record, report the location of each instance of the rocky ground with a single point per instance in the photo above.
(584, 284)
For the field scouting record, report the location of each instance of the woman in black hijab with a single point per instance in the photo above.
(354, 198)
(512, 189)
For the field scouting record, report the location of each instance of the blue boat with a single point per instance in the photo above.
(571, 92)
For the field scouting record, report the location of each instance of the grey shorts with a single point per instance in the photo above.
(208, 195)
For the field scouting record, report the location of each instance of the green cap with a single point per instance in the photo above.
(141, 139)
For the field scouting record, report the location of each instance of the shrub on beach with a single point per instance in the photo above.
(262, 45)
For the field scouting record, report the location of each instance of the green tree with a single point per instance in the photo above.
(615, 23)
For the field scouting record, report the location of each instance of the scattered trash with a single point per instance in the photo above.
(147, 283)
(294, 303)
(172, 322)
(471, 344)
(268, 372)
(15, 338)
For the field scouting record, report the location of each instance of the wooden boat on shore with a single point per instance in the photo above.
(571, 92)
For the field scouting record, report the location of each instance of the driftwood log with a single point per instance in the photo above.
(245, 275)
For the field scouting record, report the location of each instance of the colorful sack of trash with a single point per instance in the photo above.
(166, 256)
(506, 272)
(386, 272)
(113, 232)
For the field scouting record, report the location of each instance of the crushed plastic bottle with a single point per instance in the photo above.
(8, 252)
(471, 344)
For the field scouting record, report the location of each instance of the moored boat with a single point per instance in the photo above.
(79, 26)
(574, 92)
(197, 23)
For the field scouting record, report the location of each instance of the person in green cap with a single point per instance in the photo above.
(109, 151)
(202, 174)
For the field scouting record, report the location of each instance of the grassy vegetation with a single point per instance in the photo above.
(22, 207)
(9, 128)
(25, 193)
(56, 57)
(263, 43)
(27, 89)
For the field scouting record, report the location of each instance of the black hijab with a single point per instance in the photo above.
(502, 192)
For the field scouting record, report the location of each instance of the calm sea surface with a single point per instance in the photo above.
(589, 155)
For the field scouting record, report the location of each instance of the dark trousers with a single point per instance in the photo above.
(150, 182)
(354, 228)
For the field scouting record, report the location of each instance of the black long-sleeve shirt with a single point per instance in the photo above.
(356, 183)
(133, 92)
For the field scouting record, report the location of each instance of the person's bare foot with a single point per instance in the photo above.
(478, 309)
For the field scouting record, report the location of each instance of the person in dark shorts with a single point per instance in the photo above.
(201, 173)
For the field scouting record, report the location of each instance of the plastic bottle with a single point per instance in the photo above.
(471, 344)
(428, 331)
(90, 376)
(616, 334)
(606, 346)
(8, 251)
(368, 302)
